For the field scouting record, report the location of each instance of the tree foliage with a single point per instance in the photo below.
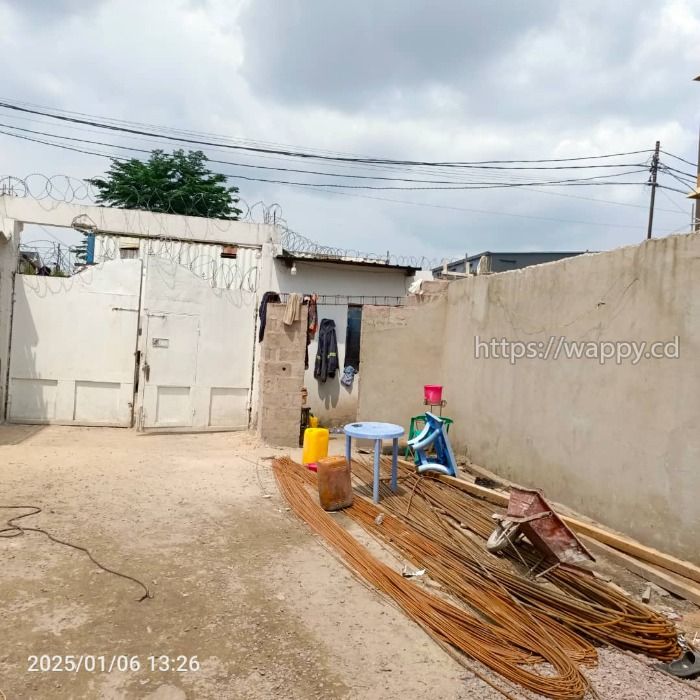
(177, 183)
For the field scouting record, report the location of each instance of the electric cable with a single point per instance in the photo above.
(300, 170)
(586, 181)
(688, 162)
(191, 132)
(295, 153)
(12, 529)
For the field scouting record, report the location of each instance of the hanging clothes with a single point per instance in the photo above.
(292, 311)
(348, 376)
(311, 324)
(266, 299)
(327, 353)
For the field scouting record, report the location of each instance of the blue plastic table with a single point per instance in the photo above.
(376, 432)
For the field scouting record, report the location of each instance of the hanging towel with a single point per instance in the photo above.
(326, 363)
(266, 299)
(293, 311)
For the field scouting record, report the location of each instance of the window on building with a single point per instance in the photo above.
(128, 253)
(352, 337)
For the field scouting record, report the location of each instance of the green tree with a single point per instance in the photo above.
(177, 183)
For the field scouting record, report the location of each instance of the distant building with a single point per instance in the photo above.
(489, 261)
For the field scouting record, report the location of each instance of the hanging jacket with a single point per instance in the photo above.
(327, 352)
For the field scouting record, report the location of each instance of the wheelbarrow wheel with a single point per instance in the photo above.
(501, 537)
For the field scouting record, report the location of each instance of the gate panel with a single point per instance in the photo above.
(198, 350)
(73, 344)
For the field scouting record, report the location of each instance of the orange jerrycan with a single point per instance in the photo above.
(334, 483)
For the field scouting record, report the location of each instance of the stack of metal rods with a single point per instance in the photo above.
(588, 607)
(465, 580)
(507, 642)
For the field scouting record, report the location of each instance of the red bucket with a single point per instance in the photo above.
(432, 394)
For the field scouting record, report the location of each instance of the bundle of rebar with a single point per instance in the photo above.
(507, 641)
(587, 606)
(501, 616)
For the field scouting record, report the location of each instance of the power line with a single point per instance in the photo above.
(673, 189)
(678, 208)
(174, 130)
(692, 176)
(487, 211)
(598, 199)
(368, 167)
(666, 153)
(280, 169)
(477, 185)
(58, 145)
(341, 175)
(294, 153)
(690, 185)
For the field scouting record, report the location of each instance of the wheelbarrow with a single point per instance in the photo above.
(529, 515)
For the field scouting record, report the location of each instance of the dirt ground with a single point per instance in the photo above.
(237, 582)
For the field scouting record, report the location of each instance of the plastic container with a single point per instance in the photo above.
(432, 394)
(334, 483)
(315, 445)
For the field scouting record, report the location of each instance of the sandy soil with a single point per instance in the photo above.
(237, 582)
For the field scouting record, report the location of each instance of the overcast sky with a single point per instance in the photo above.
(408, 79)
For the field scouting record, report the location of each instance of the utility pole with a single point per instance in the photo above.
(652, 181)
(696, 209)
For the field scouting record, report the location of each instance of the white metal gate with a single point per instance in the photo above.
(73, 346)
(197, 351)
(145, 341)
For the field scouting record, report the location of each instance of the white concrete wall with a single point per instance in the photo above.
(334, 403)
(135, 222)
(9, 244)
(620, 443)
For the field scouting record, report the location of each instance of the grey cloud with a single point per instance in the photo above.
(39, 10)
(345, 54)
(451, 79)
(552, 64)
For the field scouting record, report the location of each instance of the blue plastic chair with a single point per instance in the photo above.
(434, 434)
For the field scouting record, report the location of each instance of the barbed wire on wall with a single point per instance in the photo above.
(54, 189)
(49, 258)
(72, 190)
(203, 260)
(296, 243)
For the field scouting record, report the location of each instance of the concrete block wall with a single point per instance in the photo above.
(617, 441)
(401, 349)
(431, 290)
(281, 377)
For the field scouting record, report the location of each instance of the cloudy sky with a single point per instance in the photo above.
(429, 80)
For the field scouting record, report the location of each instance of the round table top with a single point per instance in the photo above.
(373, 431)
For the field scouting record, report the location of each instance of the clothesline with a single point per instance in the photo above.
(345, 299)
